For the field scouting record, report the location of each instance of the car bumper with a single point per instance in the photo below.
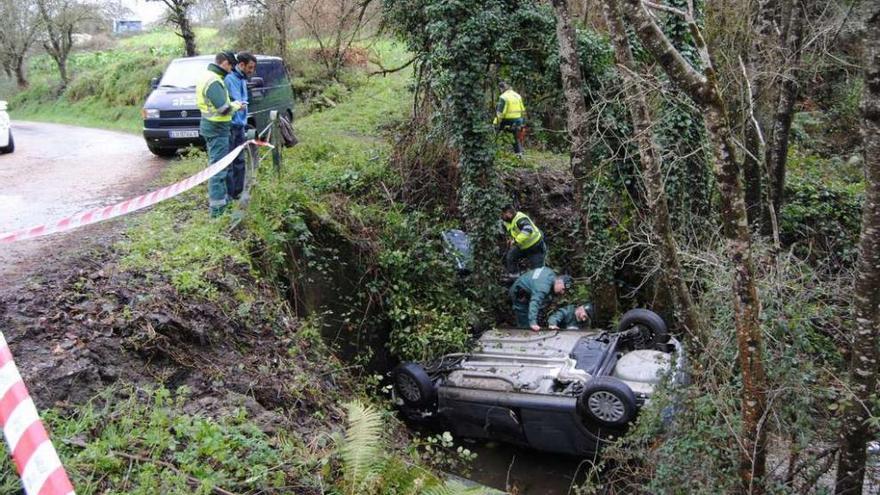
(4, 136)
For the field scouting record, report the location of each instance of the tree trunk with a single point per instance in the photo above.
(187, 33)
(703, 89)
(864, 356)
(650, 159)
(576, 107)
(20, 76)
(752, 174)
(777, 150)
(61, 62)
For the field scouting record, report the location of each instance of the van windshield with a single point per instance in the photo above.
(183, 73)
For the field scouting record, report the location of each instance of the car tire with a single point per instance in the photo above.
(648, 320)
(413, 385)
(162, 152)
(607, 402)
(10, 147)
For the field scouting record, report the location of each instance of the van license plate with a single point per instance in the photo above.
(183, 134)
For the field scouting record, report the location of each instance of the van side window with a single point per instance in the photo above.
(272, 72)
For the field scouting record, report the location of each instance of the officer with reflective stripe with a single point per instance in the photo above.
(217, 110)
(527, 241)
(510, 116)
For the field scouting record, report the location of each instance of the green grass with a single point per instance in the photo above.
(143, 444)
(107, 88)
(84, 114)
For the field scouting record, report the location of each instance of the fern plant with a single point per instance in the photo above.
(362, 449)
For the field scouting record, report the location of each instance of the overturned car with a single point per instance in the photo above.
(557, 391)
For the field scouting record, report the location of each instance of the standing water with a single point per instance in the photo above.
(523, 471)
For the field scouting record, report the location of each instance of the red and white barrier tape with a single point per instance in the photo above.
(128, 206)
(35, 458)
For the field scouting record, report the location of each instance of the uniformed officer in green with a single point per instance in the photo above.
(510, 113)
(527, 240)
(217, 110)
(533, 291)
(572, 317)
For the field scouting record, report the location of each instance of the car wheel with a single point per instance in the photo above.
(412, 384)
(652, 325)
(10, 147)
(163, 152)
(607, 402)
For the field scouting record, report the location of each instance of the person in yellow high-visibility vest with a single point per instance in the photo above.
(510, 115)
(527, 241)
(217, 110)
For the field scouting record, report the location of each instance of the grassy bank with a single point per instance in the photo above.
(108, 85)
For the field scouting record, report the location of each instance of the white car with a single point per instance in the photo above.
(7, 145)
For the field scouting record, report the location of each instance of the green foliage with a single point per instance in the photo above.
(821, 215)
(456, 41)
(108, 87)
(528, 55)
(429, 312)
(804, 317)
(142, 443)
(368, 469)
(361, 448)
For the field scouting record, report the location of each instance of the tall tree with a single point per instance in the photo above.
(791, 40)
(651, 159)
(336, 25)
(703, 89)
(576, 107)
(179, 15)
(864, 356)
(60, 19)
(457, 41)
(278, 14)
(21, 23)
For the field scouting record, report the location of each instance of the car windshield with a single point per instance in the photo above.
(183, 73)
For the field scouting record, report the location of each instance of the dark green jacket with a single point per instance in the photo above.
(564, 317)
(537, 286)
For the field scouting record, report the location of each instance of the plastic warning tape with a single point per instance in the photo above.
(35, 458)
(127, 206)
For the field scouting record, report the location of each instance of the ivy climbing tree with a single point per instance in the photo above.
(456, 41)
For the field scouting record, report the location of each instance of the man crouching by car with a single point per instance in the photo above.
(533, 291)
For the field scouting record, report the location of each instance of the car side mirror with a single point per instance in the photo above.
(154, 82)
(256, 82)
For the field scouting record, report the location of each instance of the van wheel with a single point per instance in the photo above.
(413, 385)
(654, 329)
(608, 402)
(162, 152)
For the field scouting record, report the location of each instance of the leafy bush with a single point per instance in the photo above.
(821, 215)
(142, 443)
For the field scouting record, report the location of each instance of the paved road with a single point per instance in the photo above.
(57, 170)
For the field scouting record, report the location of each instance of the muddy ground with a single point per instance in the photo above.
(77, 323)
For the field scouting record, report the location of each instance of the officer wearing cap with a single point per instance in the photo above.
(217, 110)
(572, 317)
(533, 291)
